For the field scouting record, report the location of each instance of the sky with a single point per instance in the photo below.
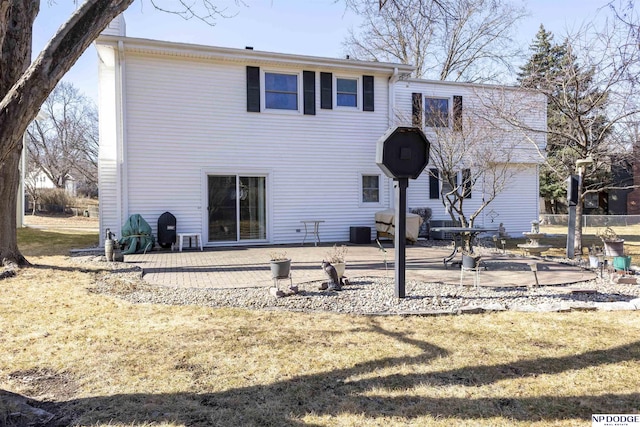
(308, 27)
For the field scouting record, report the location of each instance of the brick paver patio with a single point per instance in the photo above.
(237, 267)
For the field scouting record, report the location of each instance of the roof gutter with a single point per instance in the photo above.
(159, 47)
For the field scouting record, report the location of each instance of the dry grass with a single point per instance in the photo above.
(99, 360)
(36, 242)
(558, 239)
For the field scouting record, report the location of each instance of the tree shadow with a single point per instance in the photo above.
(357, 390)
(88, 269)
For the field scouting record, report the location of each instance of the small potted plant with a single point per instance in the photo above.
(469, 260)
(594, 256)
(613, 245)
(337, 258)
(280, 265)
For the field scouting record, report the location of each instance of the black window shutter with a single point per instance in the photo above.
(416, 110)
(326, 91)
(466, 183)
(253, 89)
(367, 93)
(434, 184)
(457, 113)
(309, 91)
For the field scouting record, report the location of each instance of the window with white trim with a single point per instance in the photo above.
(370, 188)
(346, 92)
(436, 111)
(281, 91)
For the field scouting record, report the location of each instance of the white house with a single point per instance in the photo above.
(242, 145)
(477, 112)
(39, 180)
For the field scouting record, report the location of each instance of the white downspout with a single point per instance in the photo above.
(390, 122)
(392, 96)
(123, 199)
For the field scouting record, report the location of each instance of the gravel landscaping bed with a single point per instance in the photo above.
(374, 295)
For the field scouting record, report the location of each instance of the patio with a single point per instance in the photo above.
(242, 267)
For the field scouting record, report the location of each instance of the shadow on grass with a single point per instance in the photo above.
(90, 269)
(357, 391)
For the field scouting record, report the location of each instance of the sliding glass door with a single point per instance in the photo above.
(237, 208)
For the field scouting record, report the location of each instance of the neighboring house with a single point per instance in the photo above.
(242, 145)
(39, 180)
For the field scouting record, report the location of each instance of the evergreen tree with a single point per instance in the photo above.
(540, 73)
(576, 120)
(544, 63)
(588, 96)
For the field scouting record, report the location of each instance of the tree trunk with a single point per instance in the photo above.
(9, 180)
(15, 55)
(23, 90)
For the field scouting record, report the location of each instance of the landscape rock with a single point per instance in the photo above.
(375, 296)
(616, 306)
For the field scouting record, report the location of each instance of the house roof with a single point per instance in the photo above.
(187, 50)
(472, 85)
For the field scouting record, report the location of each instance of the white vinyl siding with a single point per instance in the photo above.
(187, 118)
(532, 108)
(109, 216)
(517, 205)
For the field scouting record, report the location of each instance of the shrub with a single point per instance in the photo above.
(54, 200)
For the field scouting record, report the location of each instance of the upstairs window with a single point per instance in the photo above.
(346, 92)
(442, 183)
(281, 91)
(436, 112)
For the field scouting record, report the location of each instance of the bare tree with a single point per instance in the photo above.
(593, 93)
(457, 40)
(480, 150)
(25, 85)
(65, 142)
(626, 12)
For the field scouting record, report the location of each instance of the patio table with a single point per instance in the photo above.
(312, 226)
